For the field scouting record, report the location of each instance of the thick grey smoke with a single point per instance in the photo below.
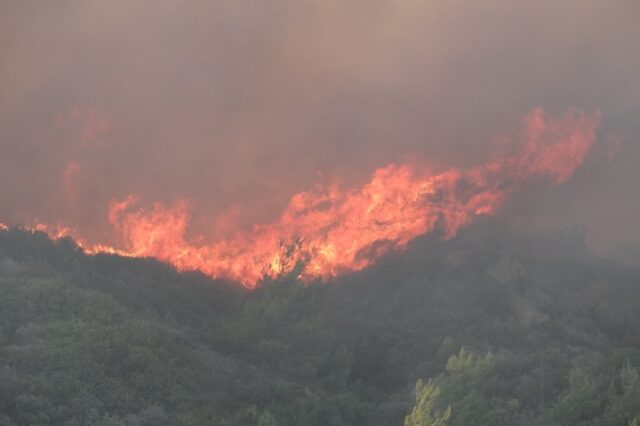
(236, 105)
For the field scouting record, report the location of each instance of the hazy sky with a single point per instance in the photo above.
(236, 105)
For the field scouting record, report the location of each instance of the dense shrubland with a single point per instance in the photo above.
(493, 327)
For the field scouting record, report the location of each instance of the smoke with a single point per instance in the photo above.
(330, 230)
(236, 106)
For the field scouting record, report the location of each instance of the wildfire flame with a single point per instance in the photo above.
(338, 230)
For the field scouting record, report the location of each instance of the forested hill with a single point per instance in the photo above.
(496, 327)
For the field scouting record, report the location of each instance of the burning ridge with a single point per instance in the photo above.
(334, 230)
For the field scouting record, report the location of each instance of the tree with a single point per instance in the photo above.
(423, 411)
(465, 386)
(580, 402)
(625, 405)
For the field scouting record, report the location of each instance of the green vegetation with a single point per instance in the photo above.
(422, 414)
(495, 327)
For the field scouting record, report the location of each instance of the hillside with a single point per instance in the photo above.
(511, 328)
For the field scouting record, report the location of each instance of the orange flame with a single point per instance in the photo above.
(341, 230)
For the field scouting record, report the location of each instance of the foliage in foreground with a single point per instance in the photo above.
(510, 329)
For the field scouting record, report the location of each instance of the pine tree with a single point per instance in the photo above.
(422, 413)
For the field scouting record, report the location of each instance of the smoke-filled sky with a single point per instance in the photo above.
(237, 105)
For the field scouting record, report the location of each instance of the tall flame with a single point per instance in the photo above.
(339, 230)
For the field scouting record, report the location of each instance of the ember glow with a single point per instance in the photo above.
(337, 230)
